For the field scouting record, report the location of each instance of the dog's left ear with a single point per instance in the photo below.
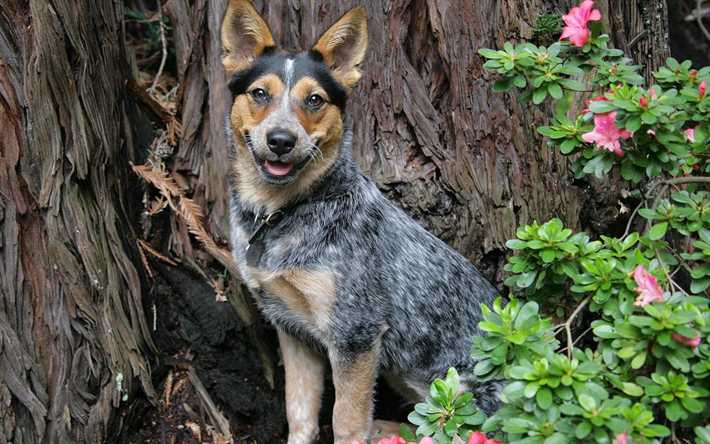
(343, 46)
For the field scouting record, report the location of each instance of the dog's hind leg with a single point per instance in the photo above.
(354, 381)
(304, 389)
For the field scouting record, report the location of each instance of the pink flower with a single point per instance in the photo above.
(393, 440)
(399, 440)
(701, 88)
(576, 22)
(651, 132)
(622, 439)
(606, 134)
(653, 94)
(690, 342)
(648, 288)
(643, 102)
(480, 438)
(690, 133)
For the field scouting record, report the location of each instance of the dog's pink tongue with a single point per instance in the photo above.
(278, 168)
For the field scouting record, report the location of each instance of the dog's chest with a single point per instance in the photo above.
(287, 294)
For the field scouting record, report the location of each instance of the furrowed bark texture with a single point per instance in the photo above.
(465, 162)
(73, 333)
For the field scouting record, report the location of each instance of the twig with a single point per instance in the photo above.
(568, 325)
(147, 102)
(165, 49)
(699, 19)
(666, 184)
(217, 418)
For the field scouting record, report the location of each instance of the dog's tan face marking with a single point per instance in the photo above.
(247, 113)
(325, 123)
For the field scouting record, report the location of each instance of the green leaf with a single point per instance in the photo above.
(658, 231)
(601, 106)
(503, 84)
(583, 430)
(572, 84)
(547, 256)
(699, 285)
(490, 53)
(563, 105)
(544, 398)
(406, 433)
(555, 90)
(452, 383)
(539, 95)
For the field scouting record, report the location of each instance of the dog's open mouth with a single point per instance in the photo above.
(276, 168)
(275, 171)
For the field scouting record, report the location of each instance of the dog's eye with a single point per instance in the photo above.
(259, 95)
(314, 101)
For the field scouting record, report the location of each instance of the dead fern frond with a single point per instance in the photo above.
(145, 245)
(159, 179)
(157, 206)
(144, 260)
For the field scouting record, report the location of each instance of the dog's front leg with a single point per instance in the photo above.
(304, 389)
(354, 380)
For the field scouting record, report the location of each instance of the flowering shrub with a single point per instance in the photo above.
(609, 341)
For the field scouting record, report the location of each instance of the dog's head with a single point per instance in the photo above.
(288, 108)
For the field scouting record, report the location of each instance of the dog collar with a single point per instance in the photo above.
(255, 249)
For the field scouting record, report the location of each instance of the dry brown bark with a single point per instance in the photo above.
(467, 163)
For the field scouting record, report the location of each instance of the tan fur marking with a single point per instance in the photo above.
(343, 46)
(310, 293)
(304, 389)
(354, 383)
(244, 36)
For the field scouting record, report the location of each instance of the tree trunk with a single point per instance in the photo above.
(82, 303)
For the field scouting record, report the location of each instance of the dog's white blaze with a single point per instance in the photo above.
(289, 73)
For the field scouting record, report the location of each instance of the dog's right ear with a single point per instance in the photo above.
(244, 36)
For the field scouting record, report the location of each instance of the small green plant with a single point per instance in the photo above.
(445, 414)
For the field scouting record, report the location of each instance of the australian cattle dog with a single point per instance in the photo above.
(345, 276)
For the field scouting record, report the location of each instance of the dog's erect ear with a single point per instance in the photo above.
(244, 36)
(343, 46)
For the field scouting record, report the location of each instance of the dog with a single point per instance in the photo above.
(345, 276)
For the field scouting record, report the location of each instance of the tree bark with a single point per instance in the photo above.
(76, 339)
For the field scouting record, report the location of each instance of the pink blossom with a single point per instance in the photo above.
(690, 133)
(653, 94)
(399, 440)
(622, 439)
(596, 99)
(480, 438)
(576, 22)
(690, 342)
(643, 102)
(606, 134)
(701, 88)
(651, 132)
(648, 288)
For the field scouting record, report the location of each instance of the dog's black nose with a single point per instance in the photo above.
(281, 141)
